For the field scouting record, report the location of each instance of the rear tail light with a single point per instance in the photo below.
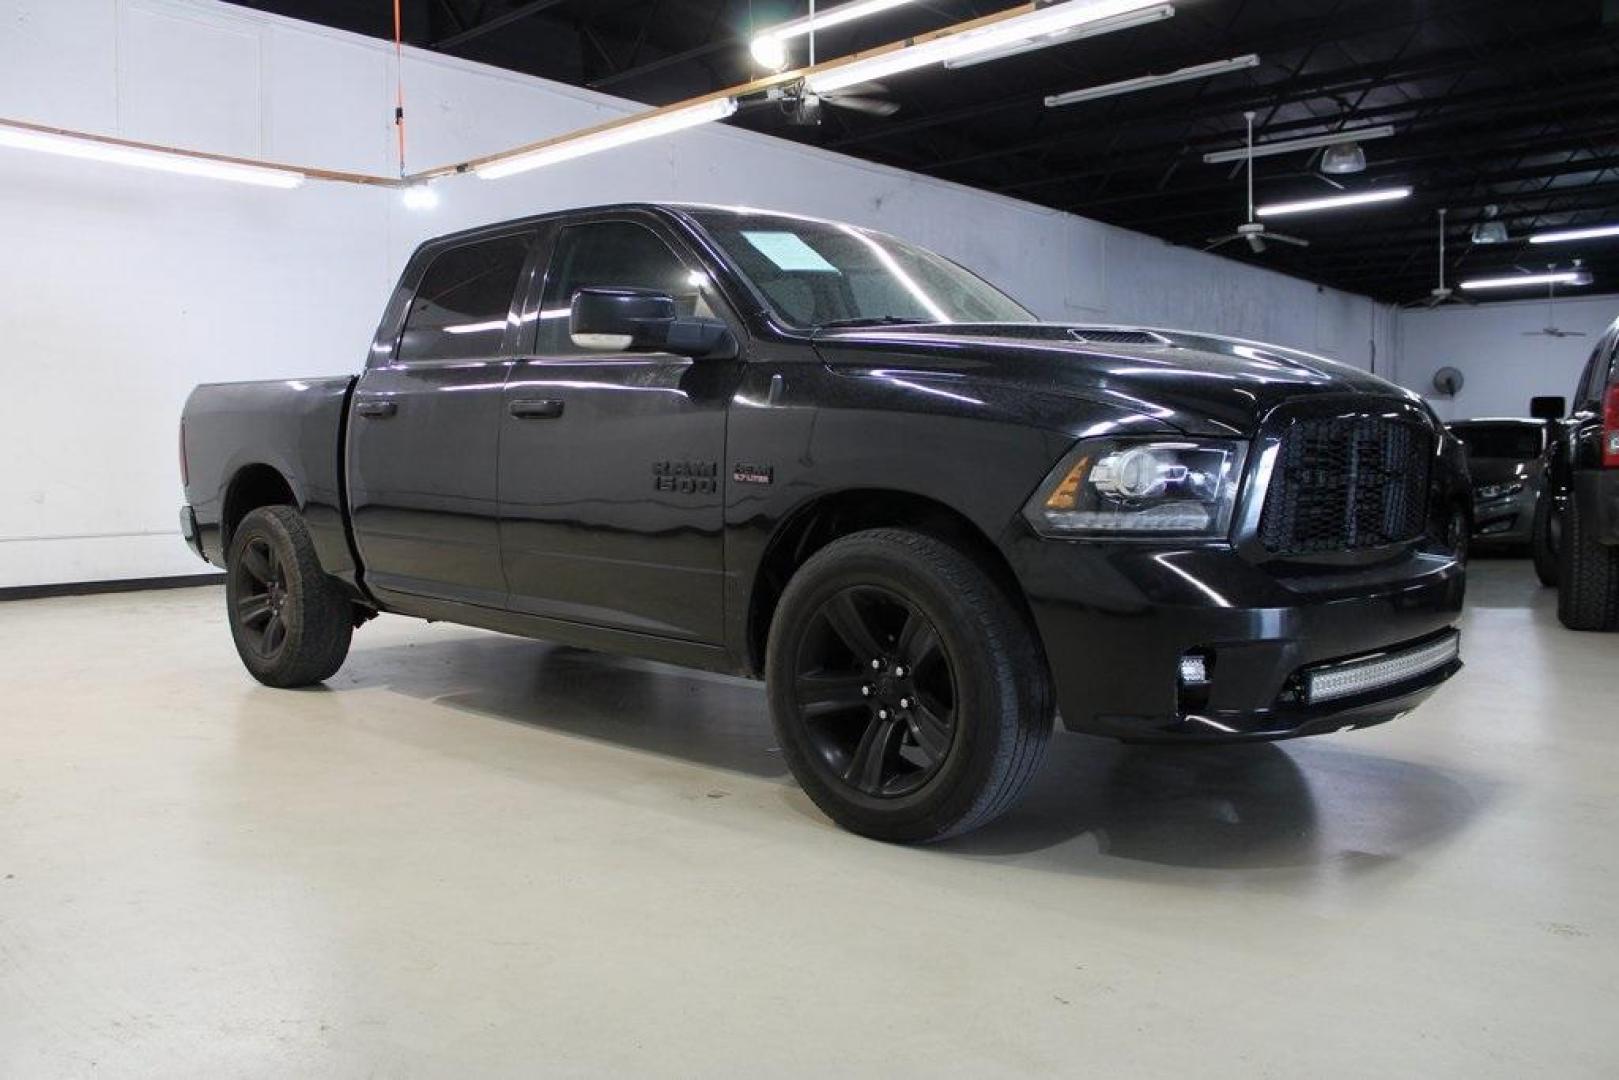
(1610, 428)
(185, 473)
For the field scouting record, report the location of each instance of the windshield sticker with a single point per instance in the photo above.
(788, 252)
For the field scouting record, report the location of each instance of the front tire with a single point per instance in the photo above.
(291, 623)
(1588, 576)
(908, 693)
(1543, 544)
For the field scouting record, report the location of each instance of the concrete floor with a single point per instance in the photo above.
(473, 855)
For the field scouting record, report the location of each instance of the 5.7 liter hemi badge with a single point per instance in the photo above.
(753, 474)
(686, 477)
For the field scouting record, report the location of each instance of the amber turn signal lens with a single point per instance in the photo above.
(1065, 496)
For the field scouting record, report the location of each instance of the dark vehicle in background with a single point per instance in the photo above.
(809, 452)
(1506, 459)
(1581, 511)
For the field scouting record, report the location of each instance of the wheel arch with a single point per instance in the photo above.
(251, 487)
(833, 515)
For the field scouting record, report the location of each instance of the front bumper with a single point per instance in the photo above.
(1509, 520)
(1116, 620)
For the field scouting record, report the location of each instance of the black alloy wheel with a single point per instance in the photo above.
(292, 624)
(877, 691)
(909, 694)
(261, 598)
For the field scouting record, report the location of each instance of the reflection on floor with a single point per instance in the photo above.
(475, 855)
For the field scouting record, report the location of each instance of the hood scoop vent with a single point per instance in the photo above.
(1102, 335)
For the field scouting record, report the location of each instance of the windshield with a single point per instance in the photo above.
(816, 274)
(1514, 442)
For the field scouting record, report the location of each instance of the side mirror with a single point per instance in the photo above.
(644, 320)
(1548, 408)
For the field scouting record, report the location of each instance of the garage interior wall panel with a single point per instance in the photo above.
(1503, 361)
(120, 289)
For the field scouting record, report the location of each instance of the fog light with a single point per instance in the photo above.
(1194, 670)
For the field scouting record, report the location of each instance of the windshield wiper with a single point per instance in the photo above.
(871, 320)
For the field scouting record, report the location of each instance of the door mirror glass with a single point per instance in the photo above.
(620, 319)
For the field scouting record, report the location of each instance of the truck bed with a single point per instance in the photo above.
(292, 426)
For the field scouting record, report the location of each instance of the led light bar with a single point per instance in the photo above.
(1041, 23)
(115, 153)
(1079, 33)
(1310, 142)
(770, 46)
(1333, 202)
(1148, 82)
(620, 133)
(1513, 281)
(1360, 676)
(1596, 232)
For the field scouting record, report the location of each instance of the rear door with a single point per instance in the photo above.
(425, 424)
(611, 480)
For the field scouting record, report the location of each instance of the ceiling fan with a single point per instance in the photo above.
(1444, 294)
(1551, 329)
(1253, 231)
(803, 107)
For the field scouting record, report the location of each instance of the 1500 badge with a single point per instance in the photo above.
(686, 477)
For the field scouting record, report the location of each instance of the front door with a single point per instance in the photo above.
(611, 463)
(425, 423)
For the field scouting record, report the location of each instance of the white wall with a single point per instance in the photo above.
(1503, 361)
(119, 290)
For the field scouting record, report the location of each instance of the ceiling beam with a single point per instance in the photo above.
(489, 26)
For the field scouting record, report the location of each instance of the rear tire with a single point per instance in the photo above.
(1588, 576)
(291, 623)
(1543, 542)
(909, 695)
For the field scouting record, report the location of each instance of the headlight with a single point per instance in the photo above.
(1140, 488)
(1497, 491)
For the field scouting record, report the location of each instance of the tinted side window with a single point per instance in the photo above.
(462, 304)
(609, 253)
(1586, 392)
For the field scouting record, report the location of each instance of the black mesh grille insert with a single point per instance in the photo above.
(1117, 337)
(1346, 484)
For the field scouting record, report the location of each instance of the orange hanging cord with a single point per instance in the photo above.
(399, 73)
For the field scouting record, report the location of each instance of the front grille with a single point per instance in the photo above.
(1347, 483)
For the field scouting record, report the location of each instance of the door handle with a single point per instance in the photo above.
(536, 409)
(377, 409)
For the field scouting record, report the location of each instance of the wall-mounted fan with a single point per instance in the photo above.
(1253, 230)
(1448, 381)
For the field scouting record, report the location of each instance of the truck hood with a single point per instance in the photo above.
(1199, 384)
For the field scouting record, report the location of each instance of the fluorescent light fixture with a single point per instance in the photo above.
(606, 138)
(769, 47)
(1514, 281)
(1148, 82)
(1333, 202)
(112, 153)
(1079, 33)
(1043, 23)
(1310, 142)
(1596, 232)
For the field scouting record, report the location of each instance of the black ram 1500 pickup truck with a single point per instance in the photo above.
(772, 446)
